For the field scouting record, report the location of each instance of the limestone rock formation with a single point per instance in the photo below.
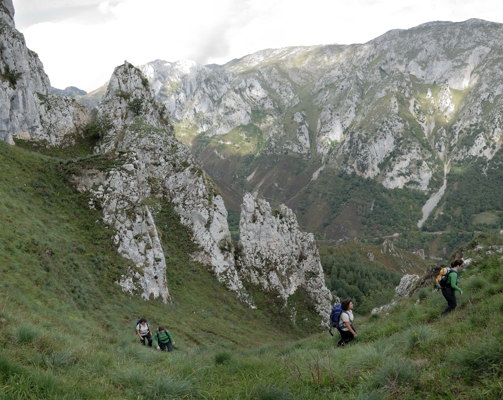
(405, 288)
(151, 169)
(27, 109)
(407, 285)
(275, 255)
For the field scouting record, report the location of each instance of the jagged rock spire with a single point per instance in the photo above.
(154, 170)
(277, 256)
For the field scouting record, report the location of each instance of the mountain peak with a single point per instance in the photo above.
(128, 96)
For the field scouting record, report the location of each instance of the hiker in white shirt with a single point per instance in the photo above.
(347, 331)
(144, 332)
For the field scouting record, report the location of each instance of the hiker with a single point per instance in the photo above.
(451, 286)
(144, 332)
(164, 339)
(346, 329)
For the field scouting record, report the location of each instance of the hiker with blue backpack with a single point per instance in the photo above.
(449, 284)
(342, 318)
(346, 322)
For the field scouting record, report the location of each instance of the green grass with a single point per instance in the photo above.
(66, 330)
(62, 315)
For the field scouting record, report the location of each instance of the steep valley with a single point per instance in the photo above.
(235, 203)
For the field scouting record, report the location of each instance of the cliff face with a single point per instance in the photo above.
(407, 97)
(27, 110)
(154, 168)
(276, 256)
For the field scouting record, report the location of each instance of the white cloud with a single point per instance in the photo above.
(80, 42)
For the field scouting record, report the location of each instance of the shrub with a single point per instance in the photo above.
(423, 294)
(46, 344)
(123, 94)
(491, 290)
(26, 334)
(97, 127)
(374, 317)
(271, 393)
(475, 283)
(141, 354)
(59, 359)
(7, 369)
(34, 385)
(373, 395)
(133, 377)
(136, 106)
(370, 356)
(222, 358)
(10, 76)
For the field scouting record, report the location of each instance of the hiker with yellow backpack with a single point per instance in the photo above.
(448, 280)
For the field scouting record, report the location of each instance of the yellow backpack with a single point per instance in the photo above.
(441, 278)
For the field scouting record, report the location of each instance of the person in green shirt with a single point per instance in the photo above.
(164, 339)
(449, 291)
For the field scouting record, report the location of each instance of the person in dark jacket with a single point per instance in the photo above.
(450, 289)
(164, 339)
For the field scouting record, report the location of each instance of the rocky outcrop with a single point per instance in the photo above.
(407, 285)
(7, 12)
(405, 288)
(276, 256)
(151, 168)
(27, 109)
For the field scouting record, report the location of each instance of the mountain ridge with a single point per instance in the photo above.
(401, 109)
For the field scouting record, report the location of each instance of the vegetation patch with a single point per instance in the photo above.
(10, 76)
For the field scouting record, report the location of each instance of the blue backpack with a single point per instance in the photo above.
(335, 316)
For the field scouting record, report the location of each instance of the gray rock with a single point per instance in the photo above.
(275, 255)
(153, 169)
(407, 284)
(27, 110)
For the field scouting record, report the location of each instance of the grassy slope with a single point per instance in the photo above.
(65, 327)
(66, 331)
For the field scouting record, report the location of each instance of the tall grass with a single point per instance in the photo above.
(483, 356)
(26, 334)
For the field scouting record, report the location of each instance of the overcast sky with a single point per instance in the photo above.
(80, 42)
